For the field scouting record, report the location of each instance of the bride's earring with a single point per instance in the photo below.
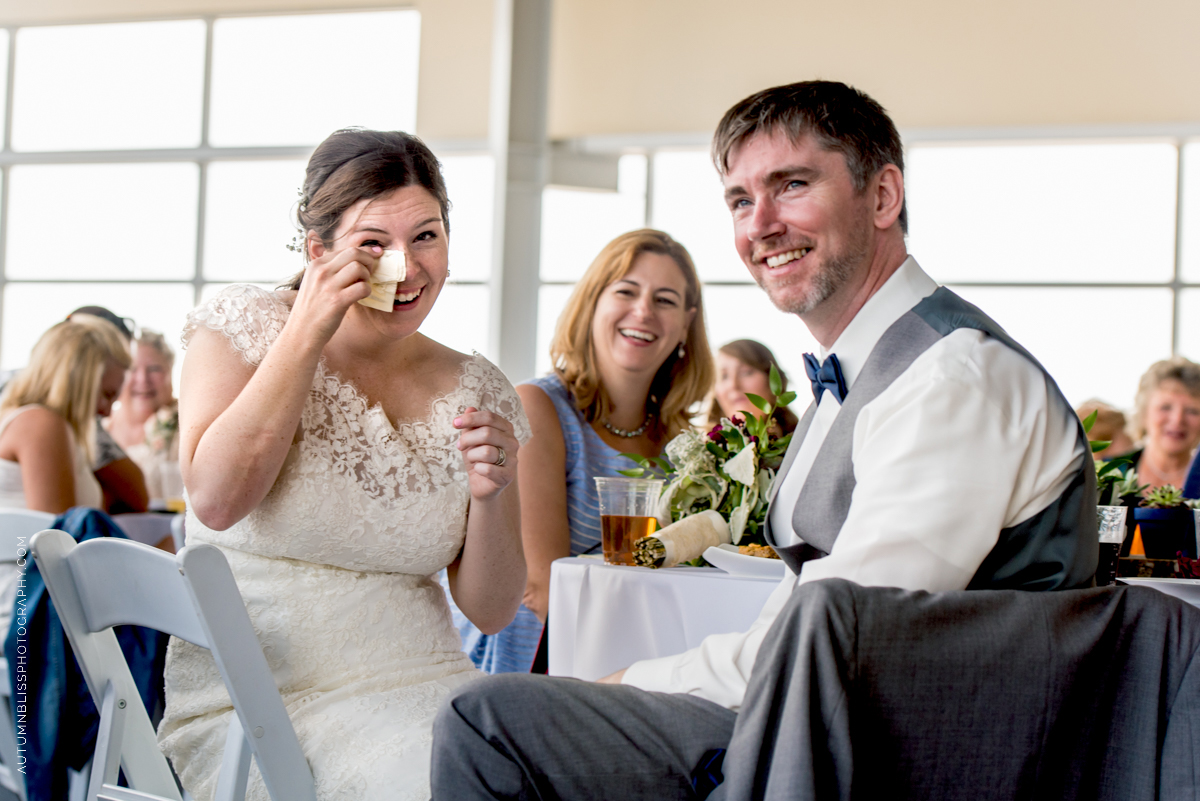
(681, 352)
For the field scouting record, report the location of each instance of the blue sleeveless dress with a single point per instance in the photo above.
(513, 649)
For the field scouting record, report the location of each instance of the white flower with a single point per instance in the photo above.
(688, 454)
(743, 468)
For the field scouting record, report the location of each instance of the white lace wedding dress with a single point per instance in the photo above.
(338, 569)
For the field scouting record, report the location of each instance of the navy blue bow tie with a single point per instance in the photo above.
(825, 376)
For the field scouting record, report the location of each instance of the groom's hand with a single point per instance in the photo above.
(615, 678)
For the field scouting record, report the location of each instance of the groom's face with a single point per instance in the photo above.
(799, 225)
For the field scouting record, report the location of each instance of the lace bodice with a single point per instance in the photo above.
(356, 490)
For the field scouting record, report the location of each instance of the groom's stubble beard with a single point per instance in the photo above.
(829, 274)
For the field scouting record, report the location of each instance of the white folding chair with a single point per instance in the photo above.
(177, 531)
(17, 527)
(109, 582)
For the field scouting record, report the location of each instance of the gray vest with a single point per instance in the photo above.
(1055, 549)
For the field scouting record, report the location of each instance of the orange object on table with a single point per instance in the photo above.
(1136, 548)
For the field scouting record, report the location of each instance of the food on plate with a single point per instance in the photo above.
(765, 551)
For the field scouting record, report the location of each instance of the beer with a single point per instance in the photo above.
(618, 533)
(1106, 569)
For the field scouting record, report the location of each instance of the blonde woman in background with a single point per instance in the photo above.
(48, 416)
(145, 422)
(631, 358)
(1166, 419)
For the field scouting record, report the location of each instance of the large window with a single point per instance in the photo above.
(147, 166)
(1087, 252)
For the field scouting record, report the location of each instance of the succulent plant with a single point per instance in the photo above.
(1166, 497)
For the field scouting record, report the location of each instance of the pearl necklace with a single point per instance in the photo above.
(620, 432)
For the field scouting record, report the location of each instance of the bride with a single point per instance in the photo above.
(340, 459)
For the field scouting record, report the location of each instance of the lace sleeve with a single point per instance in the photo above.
(250, 318)
(495, 393)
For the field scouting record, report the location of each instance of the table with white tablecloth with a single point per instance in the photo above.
(605, 617)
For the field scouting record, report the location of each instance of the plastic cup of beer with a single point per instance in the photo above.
(1111, 522)
(172, 487)
(627, 507)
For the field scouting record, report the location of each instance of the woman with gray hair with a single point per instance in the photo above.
(145, 422)
(1166, 420)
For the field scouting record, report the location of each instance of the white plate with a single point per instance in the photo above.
(1184, 589)
(728, 559)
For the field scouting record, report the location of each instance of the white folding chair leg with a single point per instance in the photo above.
(235, 773)
(109, 738)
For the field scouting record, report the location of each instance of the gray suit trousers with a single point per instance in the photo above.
(533, 737)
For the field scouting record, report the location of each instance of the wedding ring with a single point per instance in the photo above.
(502, 458)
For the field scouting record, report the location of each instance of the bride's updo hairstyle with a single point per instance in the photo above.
(354, 164)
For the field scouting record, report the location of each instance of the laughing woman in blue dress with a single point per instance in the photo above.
(631, 357)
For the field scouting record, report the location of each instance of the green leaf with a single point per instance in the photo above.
(637, 458)
(1090, 420)
(662, 464)
(735, 437)
(786, 398)
(714, 450)
(636, 472)
(1100, 444)
(760, 402)
(775, 381)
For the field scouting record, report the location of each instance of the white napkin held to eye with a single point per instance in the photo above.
(389, 272)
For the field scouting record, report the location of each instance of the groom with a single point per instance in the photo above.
(938, 455)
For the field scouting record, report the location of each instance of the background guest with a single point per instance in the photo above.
(1110, 426)
(744, 366)
(121, 480)
(48, 416)
(631, 357)
(145, 421)
(1166, 419)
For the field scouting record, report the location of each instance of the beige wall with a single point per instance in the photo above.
(664, 66)
(640, 65)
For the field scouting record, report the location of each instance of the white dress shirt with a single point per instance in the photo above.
(969, 440)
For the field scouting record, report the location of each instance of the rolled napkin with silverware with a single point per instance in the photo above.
(682, 541)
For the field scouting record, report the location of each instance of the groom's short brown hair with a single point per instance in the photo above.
(838, 116)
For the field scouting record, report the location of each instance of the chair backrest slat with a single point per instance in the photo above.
(148, 577)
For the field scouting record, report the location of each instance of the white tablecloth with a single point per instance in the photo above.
(606, 617)
(148, 527)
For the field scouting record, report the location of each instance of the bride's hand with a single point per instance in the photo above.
(486, 439)
(333, 283)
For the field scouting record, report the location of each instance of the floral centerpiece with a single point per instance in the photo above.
(728, 471)
(162, 427)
